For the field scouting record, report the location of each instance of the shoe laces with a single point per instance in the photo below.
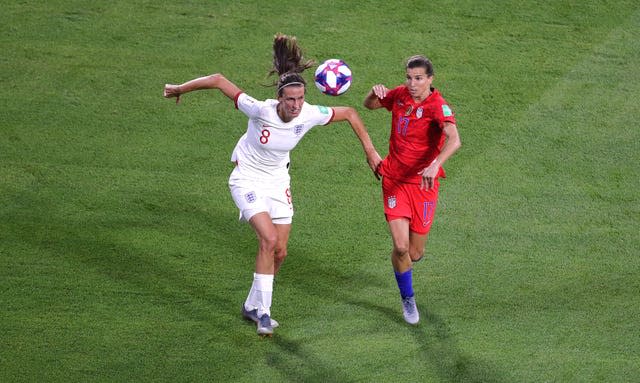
(409, 304)
(265, 320)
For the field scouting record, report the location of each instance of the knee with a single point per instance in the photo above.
(280, 254)
(400, 250)
(268, 243)
(416, 255)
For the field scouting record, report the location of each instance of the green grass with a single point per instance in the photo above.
(121, 257)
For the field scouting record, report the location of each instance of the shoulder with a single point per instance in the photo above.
(318, 114)
(399, 93)
(440, 105)
(243, 99)
(316, 108)
(436, 97)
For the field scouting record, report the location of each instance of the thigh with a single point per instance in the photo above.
(252, 198)
(417, 243)
(399, 228)
(395, 199)
(249, 198)
(423, 208)
(264, 227)
(280, 203)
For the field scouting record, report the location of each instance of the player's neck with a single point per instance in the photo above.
(422, 97)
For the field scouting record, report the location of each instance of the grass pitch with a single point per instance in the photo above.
(121, 258)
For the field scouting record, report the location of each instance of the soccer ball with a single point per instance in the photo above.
(333, 77)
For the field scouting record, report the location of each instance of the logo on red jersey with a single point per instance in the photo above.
(446, 111)
(427, 212)
(391, 202)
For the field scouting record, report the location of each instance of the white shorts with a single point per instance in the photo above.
(252, 197)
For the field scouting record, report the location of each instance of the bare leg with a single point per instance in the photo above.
(400, 258)
(417, 243)
(267, 240)
(281, 246)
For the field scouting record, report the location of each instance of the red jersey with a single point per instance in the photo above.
(416, 133)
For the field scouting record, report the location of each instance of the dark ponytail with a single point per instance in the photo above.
(288, 62)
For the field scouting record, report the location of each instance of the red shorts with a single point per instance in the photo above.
(405, 200)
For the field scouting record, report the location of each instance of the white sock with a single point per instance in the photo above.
(251, 302)
(260, 294)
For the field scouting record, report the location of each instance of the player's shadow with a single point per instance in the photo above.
(438, 347)
(141, 273)
(98, 246)
(300, 365)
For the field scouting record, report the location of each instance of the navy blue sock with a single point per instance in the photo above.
(405, 283)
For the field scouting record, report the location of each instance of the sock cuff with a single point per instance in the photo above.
(263, 282)
(399, 274)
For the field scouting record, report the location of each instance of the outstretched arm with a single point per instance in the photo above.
(342, 113)
(214, 81)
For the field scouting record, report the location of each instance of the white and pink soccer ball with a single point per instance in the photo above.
(333, 77)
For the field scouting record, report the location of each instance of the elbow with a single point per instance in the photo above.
(457, 144)
(453, 138)
(350, 114)
(215, 79)
(368, 104)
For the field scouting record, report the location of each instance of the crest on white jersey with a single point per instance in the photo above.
(298, 129)
(250, 197)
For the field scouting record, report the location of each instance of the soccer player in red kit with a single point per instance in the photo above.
(423, 136)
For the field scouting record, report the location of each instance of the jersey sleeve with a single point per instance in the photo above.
(444, 112)
(320, 115)
(387, 102)
(248, 105)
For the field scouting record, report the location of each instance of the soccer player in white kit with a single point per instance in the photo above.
(260, 182)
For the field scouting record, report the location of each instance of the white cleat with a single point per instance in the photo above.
(264, 326)
(410, 310)
(253, 316)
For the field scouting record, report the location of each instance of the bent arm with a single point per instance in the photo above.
(377, 92)
(214, 81)
(451, 145)
(345, 113)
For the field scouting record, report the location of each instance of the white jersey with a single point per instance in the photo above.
(263, 151)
